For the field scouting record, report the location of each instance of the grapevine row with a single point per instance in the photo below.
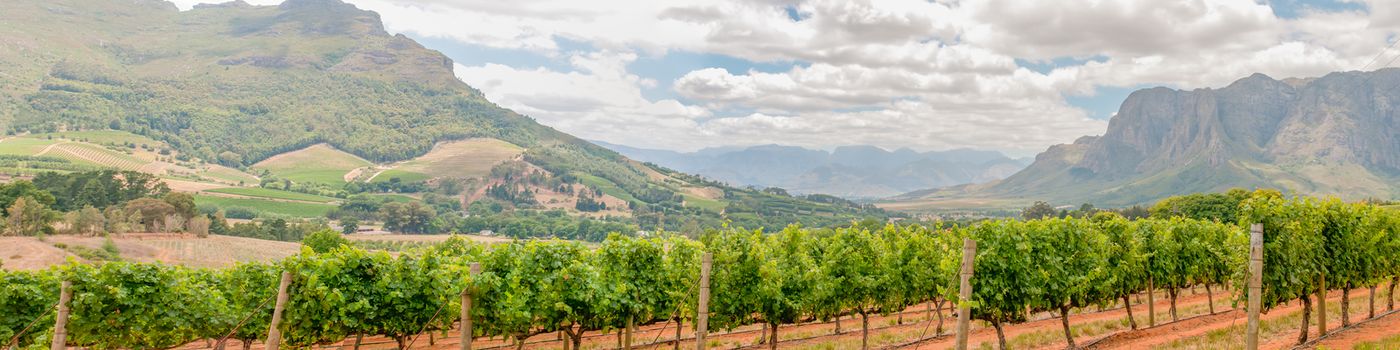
(533, 287)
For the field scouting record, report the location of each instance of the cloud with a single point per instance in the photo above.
(895, 73)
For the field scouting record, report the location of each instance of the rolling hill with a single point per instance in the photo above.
(282, 89)
(1332, 135)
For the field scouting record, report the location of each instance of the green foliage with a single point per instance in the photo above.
(98, 189)
(1220, 207)
(26, 296)
(126, 305)
(324, 241)
(533, 287)
(1293, 246)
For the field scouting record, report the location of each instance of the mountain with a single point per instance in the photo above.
(1333, 135)
(238, 85)
(850, 171)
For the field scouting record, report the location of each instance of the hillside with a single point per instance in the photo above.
(850, 171)
(1333, 135)
(242, 86)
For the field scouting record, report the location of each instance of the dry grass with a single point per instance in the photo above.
(214, 251)
(29, 253)
(472, 158)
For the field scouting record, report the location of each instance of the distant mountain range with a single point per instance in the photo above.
(1334, 135)
(850, 171)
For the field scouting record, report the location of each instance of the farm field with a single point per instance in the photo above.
(29, 253)
(24, 146)
(273, 194)
(95, 155)
(471, 158)
(103, 137)
(317, 163)
(280, 207)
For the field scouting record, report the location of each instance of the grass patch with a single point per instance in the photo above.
(393, 197)
(404, 176)
(106, 137)
(472, 158)
(274, 194)
(319, 163)
(24, 146)
(293, 209)
(1281, 327)
(1392, 342)
(703, 203)
(230, 175)
(608, 187)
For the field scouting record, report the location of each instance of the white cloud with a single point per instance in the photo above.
(894, 73)
(598, 101)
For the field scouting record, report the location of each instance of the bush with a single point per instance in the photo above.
(324, 241)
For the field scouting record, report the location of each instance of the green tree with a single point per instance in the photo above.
(1039, 210)
(27, 216)
(324, 241)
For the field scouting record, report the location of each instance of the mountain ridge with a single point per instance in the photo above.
(1330, 135)
(235, 84)
(858, 172)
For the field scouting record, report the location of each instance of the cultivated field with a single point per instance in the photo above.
(213, 251)
(472, 158)
(281, 207)
(272, 194)
(318, 163)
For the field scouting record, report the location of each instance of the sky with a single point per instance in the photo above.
(1015, 76)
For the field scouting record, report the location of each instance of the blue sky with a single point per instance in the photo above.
(1009, 75)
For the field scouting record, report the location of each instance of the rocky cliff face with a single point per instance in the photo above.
(1334, 135)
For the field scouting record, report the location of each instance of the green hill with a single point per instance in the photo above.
(237, 85)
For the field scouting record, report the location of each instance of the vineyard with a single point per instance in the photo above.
(1035, 271)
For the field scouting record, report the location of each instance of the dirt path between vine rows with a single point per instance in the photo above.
(1044, 331)
(1384, 326)
(1165, 335)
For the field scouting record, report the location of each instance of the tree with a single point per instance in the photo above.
(349, 225)
(1039, 210)
(27, 217)
(89, 221)
(199, 226)
(411, 217)
(324, 241)
(183, 203)
(9, 193)
(151, 212)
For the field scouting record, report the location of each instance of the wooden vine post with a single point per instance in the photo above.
(274, 335)
(467, 309)
(702, 316)
(965, 292)
(1322, 304)
(60, 325)
(1256, 282)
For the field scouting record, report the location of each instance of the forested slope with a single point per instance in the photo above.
(235, 84)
